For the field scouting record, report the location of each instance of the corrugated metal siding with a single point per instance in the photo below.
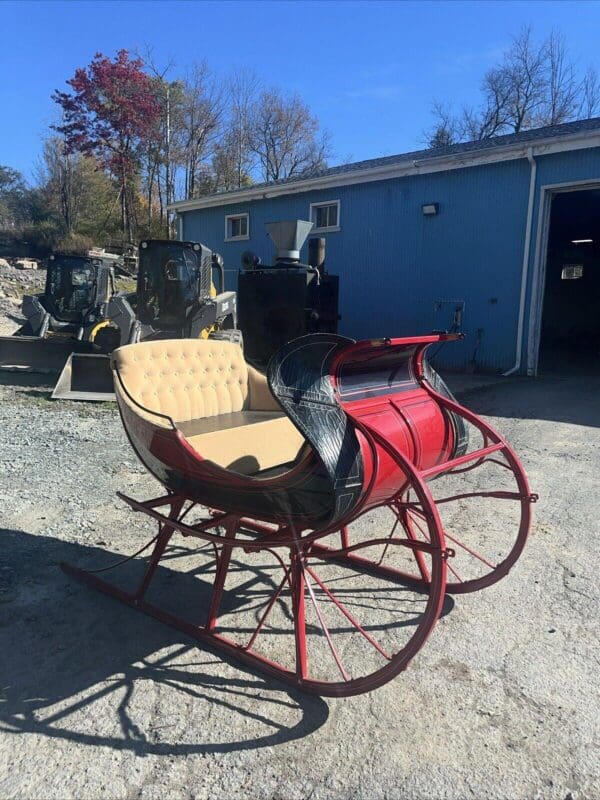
(399, 268)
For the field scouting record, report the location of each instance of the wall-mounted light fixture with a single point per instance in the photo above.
(430, 209)
(581, 241)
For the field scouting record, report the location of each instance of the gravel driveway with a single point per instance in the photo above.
(98, 701)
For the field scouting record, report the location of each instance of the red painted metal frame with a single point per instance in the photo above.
(401, 451)
(493, 443)
(252, 535)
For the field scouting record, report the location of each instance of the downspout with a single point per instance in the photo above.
(525, 268)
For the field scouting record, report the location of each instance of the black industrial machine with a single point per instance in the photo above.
(175, 298)
(80, 318)
(67, 317)
(289, 299)
(78, 289)
(176, 293)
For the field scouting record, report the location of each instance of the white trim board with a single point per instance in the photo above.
(511, 152)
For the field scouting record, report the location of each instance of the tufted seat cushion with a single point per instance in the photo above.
(222, 406)
(184, 378)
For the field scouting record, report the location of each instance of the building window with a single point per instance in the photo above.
(325, 216)
(236, 227)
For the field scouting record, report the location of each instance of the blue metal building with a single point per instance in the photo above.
(455, 237)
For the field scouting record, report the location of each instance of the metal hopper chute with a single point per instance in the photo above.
(288, 237)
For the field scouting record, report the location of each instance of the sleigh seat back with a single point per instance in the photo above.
(221, 405)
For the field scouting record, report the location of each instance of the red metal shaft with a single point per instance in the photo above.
(221, 574)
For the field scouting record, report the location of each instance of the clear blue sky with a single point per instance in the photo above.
(369, 70)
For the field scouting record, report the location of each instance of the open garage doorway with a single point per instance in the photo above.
(570, 326)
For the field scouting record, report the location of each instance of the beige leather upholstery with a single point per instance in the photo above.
(191, 380)
(260, 397)
(184, 378)
(248, 448)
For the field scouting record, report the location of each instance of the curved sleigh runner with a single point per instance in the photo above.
(290, 481)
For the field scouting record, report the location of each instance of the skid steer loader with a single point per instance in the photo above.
(175, 298)
(66, 318)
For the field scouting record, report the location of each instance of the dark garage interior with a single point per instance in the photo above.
(571, 312)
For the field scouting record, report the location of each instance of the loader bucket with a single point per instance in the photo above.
(86, 376)
(38, 355)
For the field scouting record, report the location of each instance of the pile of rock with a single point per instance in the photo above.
(26, 263)
(21, 263)
(14, 283)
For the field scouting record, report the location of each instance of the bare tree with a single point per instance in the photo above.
(231, 164)
(561, 97)
(535, 84)
(495, 113)
(286, 137)
(234, 161)
(58, 172)
(222, 135)
(526, 75)
(243, 97)
(444, 131)
(474, 124)
(589, 94)
(201, 123)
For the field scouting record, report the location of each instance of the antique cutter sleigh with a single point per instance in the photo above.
(300, 471)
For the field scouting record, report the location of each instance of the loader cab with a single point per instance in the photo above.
(72, 286)
(173, 278)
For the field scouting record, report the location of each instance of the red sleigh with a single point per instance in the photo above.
(303, 468)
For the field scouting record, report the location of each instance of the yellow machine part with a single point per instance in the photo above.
(207, 331)
(94, 332)
(107, 322)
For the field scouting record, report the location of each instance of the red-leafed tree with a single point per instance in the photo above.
(112, 111)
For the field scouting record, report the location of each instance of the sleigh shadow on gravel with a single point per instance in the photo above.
(77, 665)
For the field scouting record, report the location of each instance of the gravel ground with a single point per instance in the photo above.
(98, 701)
